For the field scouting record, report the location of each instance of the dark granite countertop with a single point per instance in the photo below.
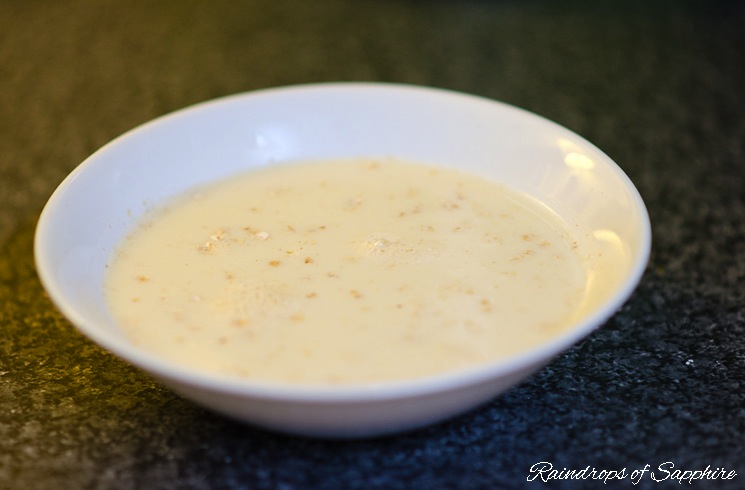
(657, 85)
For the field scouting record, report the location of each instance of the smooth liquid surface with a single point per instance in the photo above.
(346, 272)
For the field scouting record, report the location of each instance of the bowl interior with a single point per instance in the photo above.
(99, 202)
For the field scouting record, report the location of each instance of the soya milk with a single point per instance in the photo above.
(346, 272)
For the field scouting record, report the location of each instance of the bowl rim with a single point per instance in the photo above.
(420, 386)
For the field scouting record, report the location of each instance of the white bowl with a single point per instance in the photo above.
(98, 203)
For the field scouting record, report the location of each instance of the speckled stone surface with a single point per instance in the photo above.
(657, 85)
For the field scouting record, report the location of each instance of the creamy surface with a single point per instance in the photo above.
(346, 272)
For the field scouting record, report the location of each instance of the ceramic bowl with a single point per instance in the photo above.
(100, 201)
